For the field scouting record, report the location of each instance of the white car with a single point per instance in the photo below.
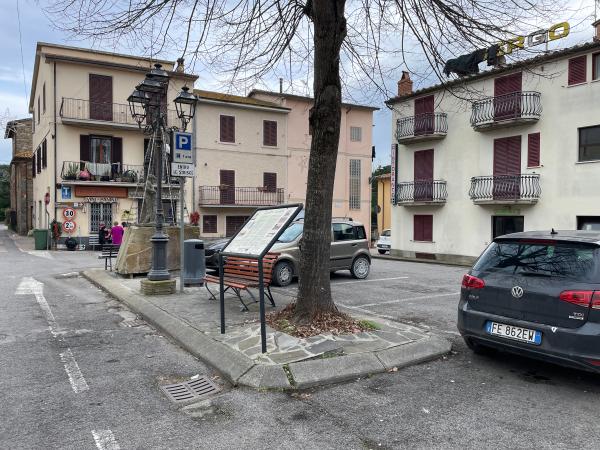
(384, 243)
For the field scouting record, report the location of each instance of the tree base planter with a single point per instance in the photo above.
(164, 287)
(135, 254)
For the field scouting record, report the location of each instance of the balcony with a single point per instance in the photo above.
(421, 193)
(422, 127)
(76, 111)
(517, 108)
(240, 196)
(91, 173)
(506, 189)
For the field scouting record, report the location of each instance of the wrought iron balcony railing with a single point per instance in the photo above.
(421, 127)
(421, 191)
(523, 188)
(114, 113)
(114, 172)
(224, 195)
(505, 109)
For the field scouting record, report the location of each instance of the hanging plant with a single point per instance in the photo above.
(56, 229)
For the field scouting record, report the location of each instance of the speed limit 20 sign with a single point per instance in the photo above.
(68, 226)
(69, 213)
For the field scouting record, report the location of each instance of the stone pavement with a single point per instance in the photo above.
(192, 319)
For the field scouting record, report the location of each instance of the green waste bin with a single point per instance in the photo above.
(41, 239)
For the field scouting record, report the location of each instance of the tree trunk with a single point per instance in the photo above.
(314, 290)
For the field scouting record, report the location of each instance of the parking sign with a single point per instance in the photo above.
(182, 148)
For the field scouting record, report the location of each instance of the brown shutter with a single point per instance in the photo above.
(227, 188)
(270, 181)
(423, 169)
(577, 70)
(84, 147)
(33, 169)
(227, 129)
(117, 153)
(270, 133)
(39, 159)
(508, 84)
(424, 105)
(209, 224)
(533, 150)
(417, 228)
(44, 155)
(428, 228)
(423, 227)
(101, 97)
(507, 156)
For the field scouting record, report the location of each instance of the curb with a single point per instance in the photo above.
(241, 370)
(420, 260)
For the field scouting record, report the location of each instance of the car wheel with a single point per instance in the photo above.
(283, 273)
(360, 267)
(478, 348)
(382, 252)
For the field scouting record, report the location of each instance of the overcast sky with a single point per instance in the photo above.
(16, 67)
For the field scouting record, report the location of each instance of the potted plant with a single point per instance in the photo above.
(71, 172)
(85, 175)
(71, 243)
(195, 218)
(223, 187)
(129, 176)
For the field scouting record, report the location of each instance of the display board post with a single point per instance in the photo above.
(261, 305)
(221, 293)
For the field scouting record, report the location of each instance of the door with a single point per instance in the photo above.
(423, 175)
(101, 97)
(424, 115)
(227, 187)
(343, 245)
(507, 96)
(507, 168)
(506, 225)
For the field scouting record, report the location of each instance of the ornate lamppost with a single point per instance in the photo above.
(148, 104)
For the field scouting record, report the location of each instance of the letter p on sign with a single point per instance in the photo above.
(183, 142)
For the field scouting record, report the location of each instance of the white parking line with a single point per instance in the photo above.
(424, 297)
(76, 379)
(105, 440)
(370, 280)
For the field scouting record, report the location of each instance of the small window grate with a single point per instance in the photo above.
(190, 390)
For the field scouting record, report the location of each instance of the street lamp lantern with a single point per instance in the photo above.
(159, 74)
(151, 85)
(185, 104)
(138, 102)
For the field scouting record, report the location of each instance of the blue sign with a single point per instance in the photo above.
(182, 147)
(65, 192)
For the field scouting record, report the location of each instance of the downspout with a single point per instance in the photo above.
(193, 206)
(55, 145)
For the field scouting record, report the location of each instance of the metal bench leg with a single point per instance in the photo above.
(239, 296)
(213, 297)
(270, 296)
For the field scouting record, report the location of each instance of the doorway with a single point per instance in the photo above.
(507, 224)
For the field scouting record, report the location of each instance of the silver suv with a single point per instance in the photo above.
(349, 250)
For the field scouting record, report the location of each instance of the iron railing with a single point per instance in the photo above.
(517, 105)
(119, 113)
(91, 171)
(525, 187)
(433, 191)
(240, 196)
(426, 124)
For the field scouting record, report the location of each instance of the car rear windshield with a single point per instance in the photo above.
(291, 232)
(561, 259)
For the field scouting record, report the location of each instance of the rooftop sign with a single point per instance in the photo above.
(557, 31)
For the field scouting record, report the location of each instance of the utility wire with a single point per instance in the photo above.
(22, 59)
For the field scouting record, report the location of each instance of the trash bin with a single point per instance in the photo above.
(40, 237)
(194, 262)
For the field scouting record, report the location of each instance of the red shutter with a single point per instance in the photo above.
(507, 156)
(270, 133)
(101, 97)
(117, 153)
(227, 129)
(227, 188)
(270, 181)
(423, 169)
(423, 227)
(84, 147)
(508, 84)
(424, 105)
(577, 70)
(428, 228)
(418, 228)
(533, 150)
(44, 155)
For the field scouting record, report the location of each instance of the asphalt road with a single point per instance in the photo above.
(77, 370)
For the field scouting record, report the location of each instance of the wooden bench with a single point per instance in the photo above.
(109, 251)
(241, 274)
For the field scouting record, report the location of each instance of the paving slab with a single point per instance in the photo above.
(414, 352)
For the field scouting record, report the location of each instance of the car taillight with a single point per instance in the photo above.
(579, 298)
(471, 282)
(596, 300)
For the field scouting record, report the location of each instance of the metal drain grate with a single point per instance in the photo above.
(190, 390)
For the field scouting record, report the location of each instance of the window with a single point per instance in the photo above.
(343, 232)
(423, 228)
(100, 149)
(227, 129)
(33, 166)
(354, 199)
(577, 70)
(291, 233)
(589, 143)
(360, 232)
(270, 181)
(533, 150)
(100, 92)
(100, 212)
(596, 66)
(38, 156)
(209, 224)
(233, 224)
(270, 133)
(44, 97)
(356, 134)
(44, 155)
(507, 224)
(38, 110)
(588, 223)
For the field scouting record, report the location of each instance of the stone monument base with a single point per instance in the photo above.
(163, 287)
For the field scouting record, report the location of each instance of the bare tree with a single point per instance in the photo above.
(364, 40)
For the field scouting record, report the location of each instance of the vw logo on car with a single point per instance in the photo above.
(517, 291)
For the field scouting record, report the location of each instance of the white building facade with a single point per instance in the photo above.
(512, 149)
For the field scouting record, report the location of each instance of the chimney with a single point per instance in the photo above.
(405, 85)
(179, 67)
(596, 26)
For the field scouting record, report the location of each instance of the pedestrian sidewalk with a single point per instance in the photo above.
(192, 319)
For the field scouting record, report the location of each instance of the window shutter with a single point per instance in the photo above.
(39, 159)
(428, 228)
(533, 150)
(33, 169)
(424, 105)
(423, 165)
(270, 133)
(577, 70)
(508, 84)
(84, 147)
(270, 181)
(423, 227)
(101, 98)
(418, 228)
(117, 155)
(44, 155)
(227, 132)
(209, 224)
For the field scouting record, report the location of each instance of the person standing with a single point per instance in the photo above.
(102, 234)
(117, 233)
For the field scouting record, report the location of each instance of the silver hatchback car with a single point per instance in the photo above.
(349, 250)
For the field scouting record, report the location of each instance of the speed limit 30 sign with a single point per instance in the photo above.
(68, 226)
(69, 213)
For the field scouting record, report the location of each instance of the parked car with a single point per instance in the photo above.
(537, 294)
(384, 243)
(211, 252)
(349, 250)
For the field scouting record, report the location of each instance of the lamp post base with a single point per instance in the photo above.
(158, 271)
(163, 287)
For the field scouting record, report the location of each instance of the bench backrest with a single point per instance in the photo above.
(247, 268)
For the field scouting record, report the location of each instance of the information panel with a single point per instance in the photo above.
(258, 233)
